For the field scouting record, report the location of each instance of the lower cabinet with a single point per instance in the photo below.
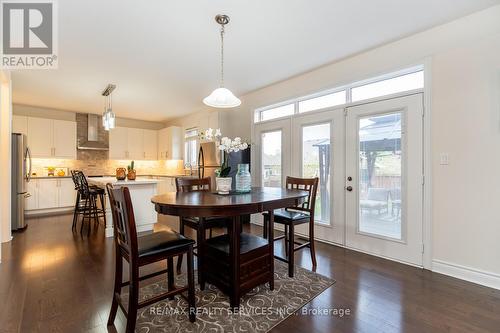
(50, 193)
(166, 184)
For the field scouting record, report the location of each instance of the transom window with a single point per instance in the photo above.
(406, 80)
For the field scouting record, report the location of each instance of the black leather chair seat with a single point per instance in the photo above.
(161, 241)
(289, 215)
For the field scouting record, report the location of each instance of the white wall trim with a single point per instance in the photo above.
(470, 274)
(427, 167)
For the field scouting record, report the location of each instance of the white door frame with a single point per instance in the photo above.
(409, 249)
(427, 153)
(334, 117)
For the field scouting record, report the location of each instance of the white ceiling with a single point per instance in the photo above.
(163, 55)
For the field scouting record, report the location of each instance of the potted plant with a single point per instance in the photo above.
(131, 171)
(226, 145)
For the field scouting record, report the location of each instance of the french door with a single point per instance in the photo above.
(369, 162)
(273, 144)
(318, 151)
(384, 178)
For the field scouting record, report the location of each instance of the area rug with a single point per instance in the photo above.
(260, 310)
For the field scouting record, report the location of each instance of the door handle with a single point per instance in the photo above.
(349, 188)
(27, 195)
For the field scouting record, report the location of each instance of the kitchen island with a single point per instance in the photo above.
(141, 192)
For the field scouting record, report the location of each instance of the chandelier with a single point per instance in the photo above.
(222, 97)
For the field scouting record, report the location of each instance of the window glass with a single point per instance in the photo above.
(380, 173)
(390, 86)
(271, 159)
(336, 98)
(316, 163)
(280, 111)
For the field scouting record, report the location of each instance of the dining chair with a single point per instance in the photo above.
(183, 184)
(293, 216)
(143, 250)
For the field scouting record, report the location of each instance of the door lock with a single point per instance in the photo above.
(349, 178)
(349, 188)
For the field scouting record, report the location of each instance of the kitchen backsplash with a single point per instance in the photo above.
(108, 167)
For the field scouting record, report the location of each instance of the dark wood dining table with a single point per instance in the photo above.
(206, 204)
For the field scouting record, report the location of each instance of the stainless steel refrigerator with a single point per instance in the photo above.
(21, 171)
(209, 159)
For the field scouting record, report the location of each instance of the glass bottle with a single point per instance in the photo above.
(243, 179)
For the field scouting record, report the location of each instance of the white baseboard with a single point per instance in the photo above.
(474, 275)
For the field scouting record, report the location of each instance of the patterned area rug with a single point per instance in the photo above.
(261, 309)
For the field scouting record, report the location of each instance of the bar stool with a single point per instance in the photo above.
(86, 203)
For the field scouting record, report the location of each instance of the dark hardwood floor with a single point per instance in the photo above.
(52, 280)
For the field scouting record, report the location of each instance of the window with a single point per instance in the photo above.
(316, 163)
(336, 98)
(190, 147)
(277, 112)
(392, 83)
(271, 159)
(390, 86)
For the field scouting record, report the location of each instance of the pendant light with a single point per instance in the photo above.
(108, 116)
(222, 97)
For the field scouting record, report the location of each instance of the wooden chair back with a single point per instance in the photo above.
(193, 184)
(125, 232)
(305, 184)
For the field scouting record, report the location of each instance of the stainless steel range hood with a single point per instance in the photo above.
(95, 137)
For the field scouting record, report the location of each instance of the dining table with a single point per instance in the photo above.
(238, 261)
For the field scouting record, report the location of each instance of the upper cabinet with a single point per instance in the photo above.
(150, 138)
(170, 143)
(64, 139)
(118, 143)
(50, 138)
(132, 144)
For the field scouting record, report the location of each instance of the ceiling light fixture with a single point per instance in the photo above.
(108, 116)
(222, 97)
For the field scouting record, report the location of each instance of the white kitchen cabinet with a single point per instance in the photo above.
(170, 143)
(47, 193)
(32, 199)
(150, 141)
(166, 184)
(51, 138)
(135, 142)
(118, 143)
(50, 193)
(40, 137)
(20, 124)
(66, 194)
(64, 139)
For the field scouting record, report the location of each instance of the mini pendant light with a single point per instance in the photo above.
(222, 97)
(108, 116)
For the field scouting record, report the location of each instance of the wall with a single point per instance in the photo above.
(465, 92)
(207, 117)
(5, 156)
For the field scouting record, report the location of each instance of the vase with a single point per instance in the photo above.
(131, 175)
(243, 179)
(121, 173)
(223, 184)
